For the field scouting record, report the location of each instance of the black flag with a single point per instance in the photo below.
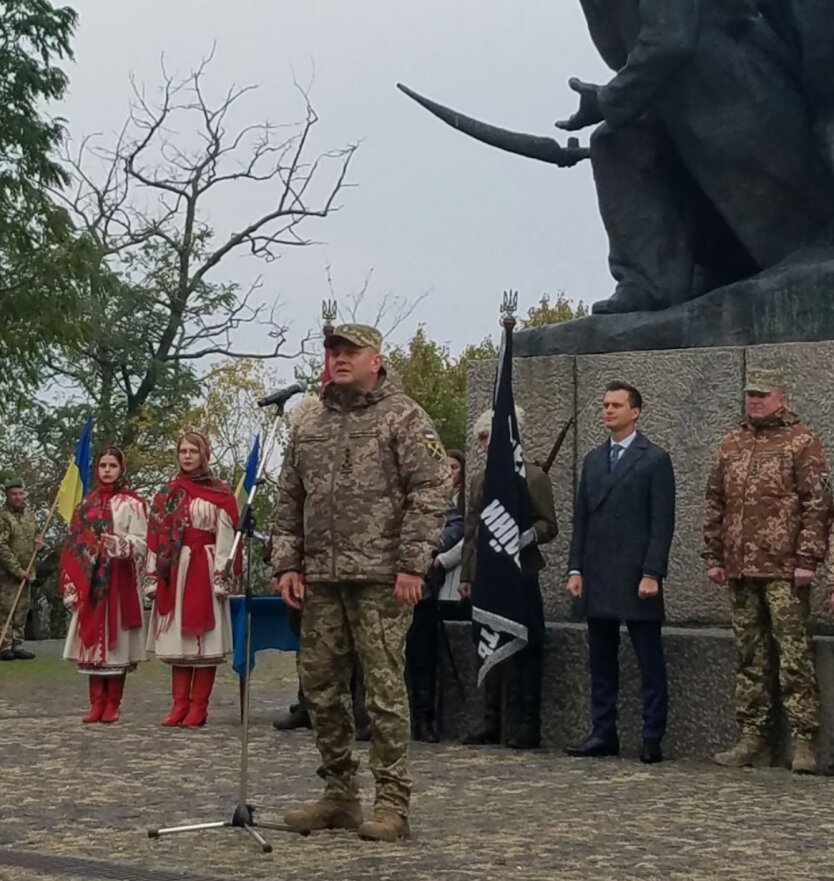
(498, 603)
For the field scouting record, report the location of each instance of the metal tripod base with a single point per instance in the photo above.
(243, 818)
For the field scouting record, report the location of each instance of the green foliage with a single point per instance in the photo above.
(40, 257)
(561, 309)
(437, 381)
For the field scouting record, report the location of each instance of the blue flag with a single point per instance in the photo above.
(247, 479)
(76, 481)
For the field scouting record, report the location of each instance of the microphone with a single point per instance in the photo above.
(284, 394)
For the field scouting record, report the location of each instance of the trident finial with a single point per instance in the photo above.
(329, 311)
(509, 305)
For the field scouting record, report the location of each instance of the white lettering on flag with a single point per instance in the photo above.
(488, 642)
(503, 530)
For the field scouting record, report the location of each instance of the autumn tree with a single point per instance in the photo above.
(545, 312)
(160, 309)
(437, 381)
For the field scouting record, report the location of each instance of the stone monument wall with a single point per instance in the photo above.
(692, 396)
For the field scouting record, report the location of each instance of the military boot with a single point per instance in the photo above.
(297, 717)
(804, 757)
(528, 733)
(385, 825)
(489, 730)
(326, 813)
(751, 751)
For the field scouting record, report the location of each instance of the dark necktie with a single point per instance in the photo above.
(614, 457)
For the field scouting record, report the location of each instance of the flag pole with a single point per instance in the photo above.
(509, 305)
(32, 559)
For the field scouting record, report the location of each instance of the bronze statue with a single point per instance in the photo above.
(708, 161)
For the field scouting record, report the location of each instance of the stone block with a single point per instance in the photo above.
(701, 665)
(787, 303)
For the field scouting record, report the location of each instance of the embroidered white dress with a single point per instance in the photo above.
(165, 637)
(130, 526)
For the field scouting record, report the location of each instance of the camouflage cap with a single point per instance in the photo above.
(764, 381)
(14, 483)
(361, 335)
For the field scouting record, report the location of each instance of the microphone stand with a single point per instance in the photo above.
(243, 814)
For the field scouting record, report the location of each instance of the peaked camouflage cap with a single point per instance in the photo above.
(764, 381)
(14, 483)
(361, 335)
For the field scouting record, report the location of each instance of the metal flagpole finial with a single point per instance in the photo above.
(509, 306)
(329, 311)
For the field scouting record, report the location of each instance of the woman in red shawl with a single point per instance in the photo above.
(190, 537)
(100, 577)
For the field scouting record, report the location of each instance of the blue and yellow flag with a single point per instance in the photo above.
(74, 485)
(247, 479)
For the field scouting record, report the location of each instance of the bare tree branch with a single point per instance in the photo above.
(143, 202)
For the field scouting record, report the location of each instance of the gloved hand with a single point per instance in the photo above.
(528, 537)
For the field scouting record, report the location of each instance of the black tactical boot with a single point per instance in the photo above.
(425, 732)
(298, 717)
(490, 730)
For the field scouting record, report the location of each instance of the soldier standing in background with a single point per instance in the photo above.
(18, 541)
(765, 531)
(527, 663)
(361, 498)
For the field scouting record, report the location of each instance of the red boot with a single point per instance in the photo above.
(200, 694)
(98, 698)
(115, 686)
(180, 689)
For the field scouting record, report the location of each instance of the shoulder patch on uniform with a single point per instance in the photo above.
(825, 480)
(433, 445)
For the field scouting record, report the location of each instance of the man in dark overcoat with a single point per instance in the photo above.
(624, 520)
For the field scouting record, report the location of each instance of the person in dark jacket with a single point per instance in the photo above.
(421, 645)
(623, 524)
(528, 662)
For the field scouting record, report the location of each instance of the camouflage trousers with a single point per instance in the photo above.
(775, 656)
(338, 620)
(8, 592)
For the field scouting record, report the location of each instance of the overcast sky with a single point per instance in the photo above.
(431, 209)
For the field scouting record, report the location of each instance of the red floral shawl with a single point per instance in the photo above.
(169, 521)
(102, 582)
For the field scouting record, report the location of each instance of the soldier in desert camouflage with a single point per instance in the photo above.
(765, 534)
(19, 539)
(361, 500)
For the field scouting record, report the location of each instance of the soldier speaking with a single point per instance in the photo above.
(361, 499)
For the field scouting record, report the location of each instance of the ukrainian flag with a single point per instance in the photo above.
(74, 485)
(247, 479)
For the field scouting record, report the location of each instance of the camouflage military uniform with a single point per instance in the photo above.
(18, 531)
(767, 514)
(362, 495)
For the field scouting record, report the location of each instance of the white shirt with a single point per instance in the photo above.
(625, 443)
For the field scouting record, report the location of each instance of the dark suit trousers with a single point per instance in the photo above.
(604, 644)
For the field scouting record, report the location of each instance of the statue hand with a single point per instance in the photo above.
(589, 112)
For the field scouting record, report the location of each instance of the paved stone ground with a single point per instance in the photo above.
(91, 792)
